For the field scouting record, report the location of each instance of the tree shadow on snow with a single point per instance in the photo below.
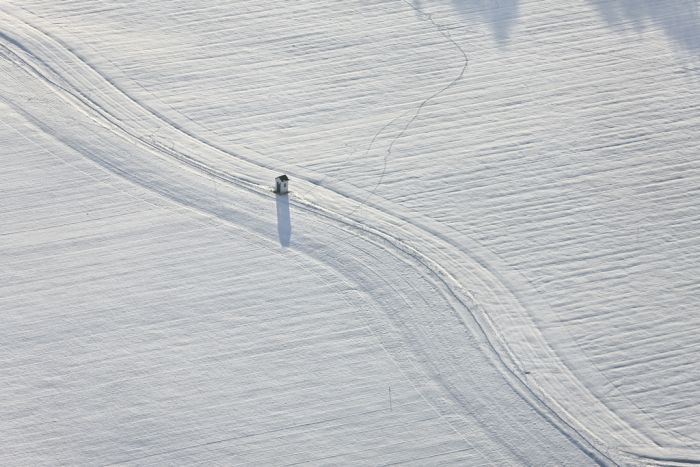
(284, 222)
(678, 19)
(499, 15)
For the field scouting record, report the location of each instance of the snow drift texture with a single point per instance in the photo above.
(490, 253)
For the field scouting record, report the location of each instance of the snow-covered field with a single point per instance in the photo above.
(490, 254)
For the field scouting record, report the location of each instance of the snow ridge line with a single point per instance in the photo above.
(79, 99)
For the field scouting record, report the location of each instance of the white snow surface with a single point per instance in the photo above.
(489, 255)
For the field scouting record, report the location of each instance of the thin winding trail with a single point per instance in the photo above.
(416, 113)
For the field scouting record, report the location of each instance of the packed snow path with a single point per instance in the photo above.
(400, 275)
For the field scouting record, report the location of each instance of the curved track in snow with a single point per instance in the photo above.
(483, 307)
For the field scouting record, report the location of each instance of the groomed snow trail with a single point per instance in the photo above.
(455, 357)
(468, 371)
